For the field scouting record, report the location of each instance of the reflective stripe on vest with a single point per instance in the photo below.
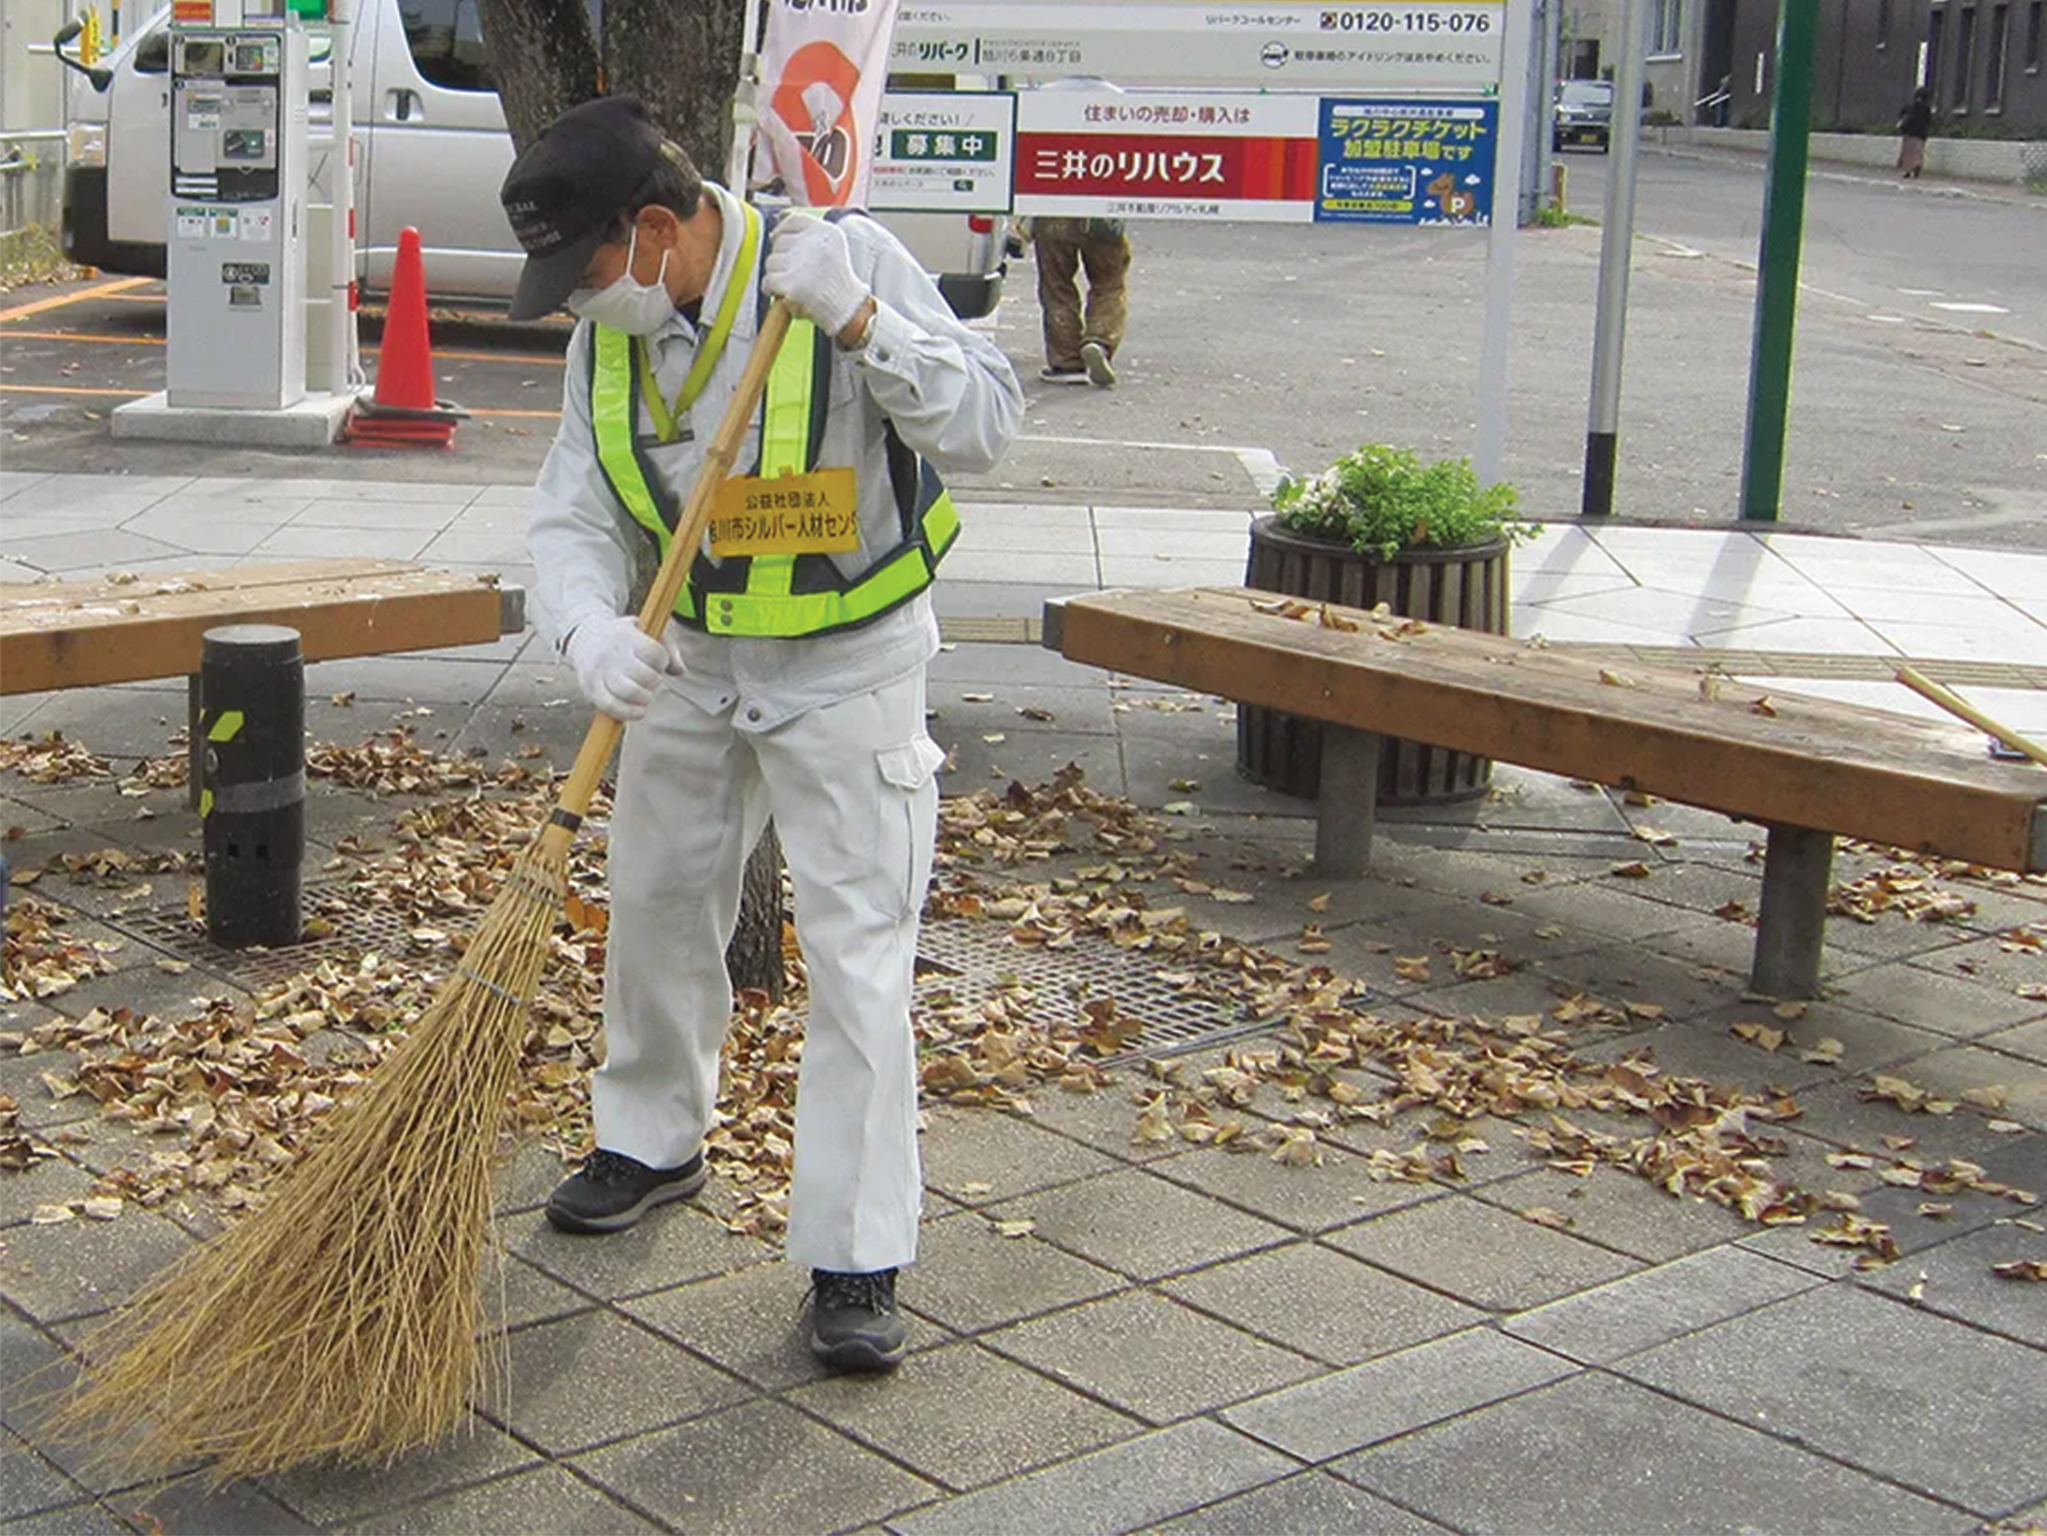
(772, 596)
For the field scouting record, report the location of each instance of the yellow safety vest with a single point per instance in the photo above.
(772, 596)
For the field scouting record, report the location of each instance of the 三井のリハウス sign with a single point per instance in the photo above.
(1257, 158)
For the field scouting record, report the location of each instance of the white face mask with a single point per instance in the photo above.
(637, 308)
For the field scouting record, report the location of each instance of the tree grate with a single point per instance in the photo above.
(960, 960)
(973, 960)
(355, 931)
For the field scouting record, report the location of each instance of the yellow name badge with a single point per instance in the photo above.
(813, 514)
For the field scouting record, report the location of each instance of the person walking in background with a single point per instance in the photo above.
(1915, 127)
(1081, 349)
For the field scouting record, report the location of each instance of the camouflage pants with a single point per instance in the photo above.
(1063, 248)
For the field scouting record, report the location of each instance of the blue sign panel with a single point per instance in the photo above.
(1406, 162)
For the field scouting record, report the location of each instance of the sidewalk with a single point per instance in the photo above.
(1177, 1335)
(1931, 184)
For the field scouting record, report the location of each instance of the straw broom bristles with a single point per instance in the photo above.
(342, 1319)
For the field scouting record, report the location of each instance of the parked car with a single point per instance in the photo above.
(1583, 114)
(432, 148)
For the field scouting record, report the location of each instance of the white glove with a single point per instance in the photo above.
(810, 266)
(617, 667)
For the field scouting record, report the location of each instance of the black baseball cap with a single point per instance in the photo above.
(566, 188)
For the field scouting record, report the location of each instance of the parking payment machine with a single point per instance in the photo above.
(237, 217)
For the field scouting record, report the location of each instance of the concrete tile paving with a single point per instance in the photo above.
(980, 1418)
(1431, 1361)
(1150, 1356)
(1873, 1382)
(762, 1466)
(1483, 1256)
(1521, 1466)
(1318, 1302)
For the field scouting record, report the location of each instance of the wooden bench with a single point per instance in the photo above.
(1807, 769)
(124, 629)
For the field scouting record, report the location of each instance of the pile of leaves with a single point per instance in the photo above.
(235, 1091)
(1905, 889)
(41, 959)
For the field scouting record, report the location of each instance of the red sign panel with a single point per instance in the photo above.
(1144, 166)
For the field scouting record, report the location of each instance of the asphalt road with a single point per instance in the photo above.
(1918, 251)
(1255, 347)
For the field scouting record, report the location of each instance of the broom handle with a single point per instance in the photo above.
(1927, 688)
(723, 448)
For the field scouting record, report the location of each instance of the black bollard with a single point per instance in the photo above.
(252, 688)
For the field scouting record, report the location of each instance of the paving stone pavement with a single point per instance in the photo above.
(1187, 1340)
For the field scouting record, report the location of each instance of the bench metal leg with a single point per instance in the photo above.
(1796, 873)
(1346, 806)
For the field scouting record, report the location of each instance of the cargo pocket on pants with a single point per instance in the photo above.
(908, 820)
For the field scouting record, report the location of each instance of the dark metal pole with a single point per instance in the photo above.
(1769, 397)
(253, 801)
(1616, 249)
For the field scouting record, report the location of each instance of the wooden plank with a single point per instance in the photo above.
(100, 637)
(1799, 762)
(37, 596)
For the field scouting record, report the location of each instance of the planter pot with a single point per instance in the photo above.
(1466, 587)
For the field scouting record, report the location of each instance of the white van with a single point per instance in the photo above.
(432, 150)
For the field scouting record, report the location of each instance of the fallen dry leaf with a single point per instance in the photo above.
(1759, 1035)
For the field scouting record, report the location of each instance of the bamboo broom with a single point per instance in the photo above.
(341, 1319)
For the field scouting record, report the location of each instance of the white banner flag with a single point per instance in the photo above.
(822, 71)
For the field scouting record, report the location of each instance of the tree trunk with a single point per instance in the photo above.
(542, 57)
(754, 957)
(680, 57)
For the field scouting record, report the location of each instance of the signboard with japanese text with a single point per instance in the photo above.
(1376, 45)
(1167, 155)
(1407, 162)
(944, 151)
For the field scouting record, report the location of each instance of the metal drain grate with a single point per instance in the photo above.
(356, 931)
(974, 959)
(966, 960)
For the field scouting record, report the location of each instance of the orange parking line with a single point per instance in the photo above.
(97, 291)
(87, 338)
(69, 389)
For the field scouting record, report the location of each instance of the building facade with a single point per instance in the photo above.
(1983, 59)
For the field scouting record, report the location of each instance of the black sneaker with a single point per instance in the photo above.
(854, 1325)
(612, 1191)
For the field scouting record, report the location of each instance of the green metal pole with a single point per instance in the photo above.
(1769, 391)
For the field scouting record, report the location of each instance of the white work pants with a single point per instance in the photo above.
(852, 791)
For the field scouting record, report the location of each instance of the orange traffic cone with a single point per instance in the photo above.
(404, 412)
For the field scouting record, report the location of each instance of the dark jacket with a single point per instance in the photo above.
(1916, 121)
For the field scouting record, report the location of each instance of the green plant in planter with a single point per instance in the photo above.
(1383, 500)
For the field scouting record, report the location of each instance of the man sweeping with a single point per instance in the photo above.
(790, 682)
